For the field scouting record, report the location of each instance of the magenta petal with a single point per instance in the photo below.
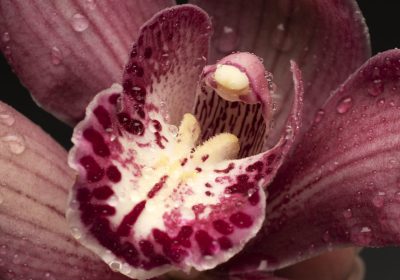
(35, 241)
(328, 39)
(65, 52)
(341, 186)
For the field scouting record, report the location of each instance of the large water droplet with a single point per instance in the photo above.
(280, 39)
(115, 266)
(6, 37)
(228, 41)
(15, 142)
(56, 56)
(6, 119)
(344, 105)
(318, 117)
(80, 23)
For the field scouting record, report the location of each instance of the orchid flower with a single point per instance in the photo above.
(284, 147)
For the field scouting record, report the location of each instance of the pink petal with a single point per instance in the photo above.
(67, 51)
(328, 39)
(35, 241)
(340, 187)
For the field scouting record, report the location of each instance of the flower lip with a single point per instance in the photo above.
(166, 206)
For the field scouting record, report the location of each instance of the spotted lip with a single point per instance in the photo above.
(146, 199)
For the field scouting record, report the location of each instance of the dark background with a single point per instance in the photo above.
(383, 21)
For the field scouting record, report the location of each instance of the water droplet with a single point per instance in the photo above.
(381, 101)
(376, 88)
(6, 37)
(15, 143)
(318, 117)
(326, 237)
(56, 56)
(6, 119)
(344, 105)
(173, 129)
(115, 266)
(379, 199)
(76, 233)
(90, 4)
(16, 259)
(281, 39)
(397, 196)
(228, 41)
(3, 249)
(347, 213)
(362, 236)
(1, 201)
(80, 23)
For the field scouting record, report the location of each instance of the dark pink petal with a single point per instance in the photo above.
(341, 185)
(66, 51)
(328, 39)
(35, 241)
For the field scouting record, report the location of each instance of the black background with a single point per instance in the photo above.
(383, 21)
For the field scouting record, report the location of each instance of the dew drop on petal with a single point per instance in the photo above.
(80, 23)
(344, 105)
(15, 143)
(90, 4)
(6, 37)
(76, 233)
(376, 88)
(6, 119)
(115, 266)
(318, 117)
(362, 236)
(228, 40)
(3, 249)
(280, 39)
(378, 200)
(56, 56)
(347, 214)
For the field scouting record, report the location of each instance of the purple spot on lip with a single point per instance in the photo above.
(223, 227)
(103, 193)
(225, 243)
(226, 170)
(241, 220)
(205, 242)
(102, 116)
(94, 172)
(113, 174)
(129, 220)
(96, 140)
(157, 187)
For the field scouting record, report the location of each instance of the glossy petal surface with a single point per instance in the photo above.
(342, 179)
(65, 52)
(328, 39)
(35, 181)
